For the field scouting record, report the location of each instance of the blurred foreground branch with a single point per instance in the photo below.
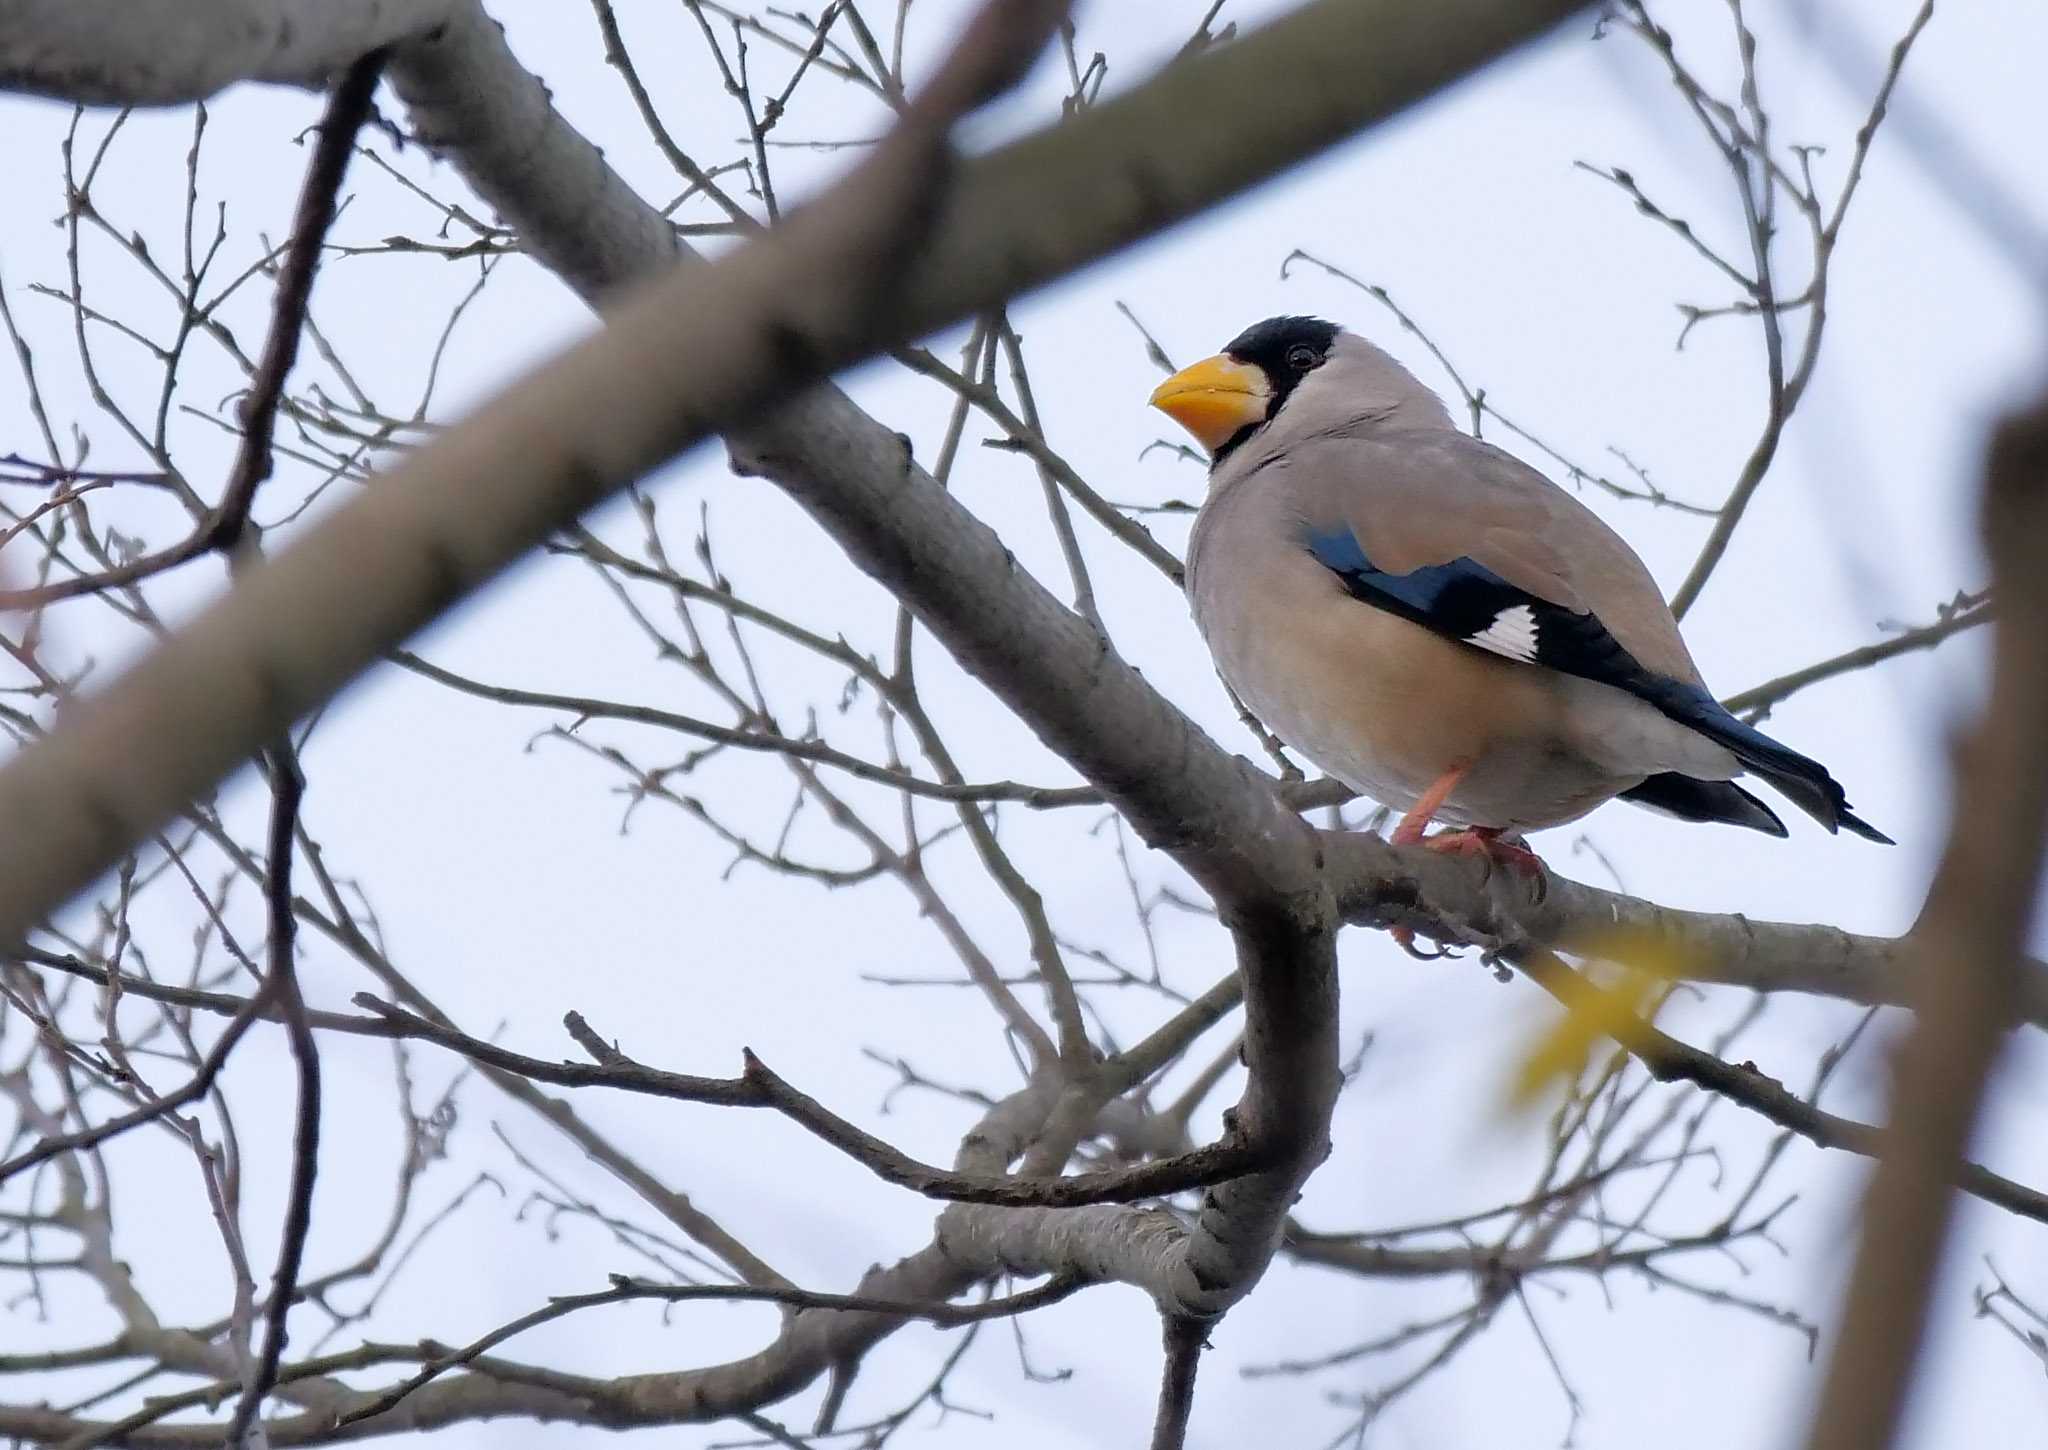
(1969, 940)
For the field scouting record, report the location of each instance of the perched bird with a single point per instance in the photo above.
(1437, 624)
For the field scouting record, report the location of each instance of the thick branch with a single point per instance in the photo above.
(1378, 884)
(165, 52)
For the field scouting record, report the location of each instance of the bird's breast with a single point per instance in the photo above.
(1371, 698)
(1389, 707)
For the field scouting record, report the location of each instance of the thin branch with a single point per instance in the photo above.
(190, 1090)
(1185, 1341)
(1027, 438)
(347, 109)
(1966, 612)
(625, 1290)
(815, 751)
(287, 786)
(224, 1004)
(1670, 1060)
(223, 527)
(758, 1087)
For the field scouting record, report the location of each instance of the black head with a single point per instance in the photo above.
(1294, 377)
(1286, 350)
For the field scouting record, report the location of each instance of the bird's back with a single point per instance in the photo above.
(1415, 497)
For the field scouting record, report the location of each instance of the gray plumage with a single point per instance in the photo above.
(1354, 447)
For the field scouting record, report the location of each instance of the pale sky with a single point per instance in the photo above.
(505, 887)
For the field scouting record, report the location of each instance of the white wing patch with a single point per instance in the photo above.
(1512, 633)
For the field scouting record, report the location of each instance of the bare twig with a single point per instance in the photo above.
(193, 1088)
(758, 1087)
(1670, 1060)
(625, 1290)
(1966, 611)
(224, 524)
(287, 786)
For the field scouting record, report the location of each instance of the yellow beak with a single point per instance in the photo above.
(1215, 399)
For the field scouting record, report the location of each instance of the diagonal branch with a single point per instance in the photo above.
(746, 331)
(626, 1290)
(759, 1087)
(807, 748)
(1670, 1060)
(1966, 611)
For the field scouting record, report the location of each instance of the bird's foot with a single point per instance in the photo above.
(1485, 842)
(1404, 938)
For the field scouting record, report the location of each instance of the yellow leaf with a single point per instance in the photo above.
(1593, 1013)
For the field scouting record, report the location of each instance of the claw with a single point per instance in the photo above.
(1481, 841)
(1484, 841)
(1404, 938)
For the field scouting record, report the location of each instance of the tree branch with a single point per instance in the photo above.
(1670, 1060)
(758, 1087)
(1969, 940)
(1184, 1346)
(167, 52)
(745, 331)
(1378, 884)
(288, 787)
(1967, 611)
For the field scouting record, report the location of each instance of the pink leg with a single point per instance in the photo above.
(1482, 841)
(1424, 811)
(1409, 832)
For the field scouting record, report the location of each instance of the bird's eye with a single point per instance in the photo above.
(1302, 358)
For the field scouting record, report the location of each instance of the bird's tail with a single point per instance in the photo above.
(1705, 800)
(1806, 783)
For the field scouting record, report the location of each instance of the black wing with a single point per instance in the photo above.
(1466, 601)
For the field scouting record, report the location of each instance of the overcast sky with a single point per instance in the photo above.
(504, 884)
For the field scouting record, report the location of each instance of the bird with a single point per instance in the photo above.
(1437, 624)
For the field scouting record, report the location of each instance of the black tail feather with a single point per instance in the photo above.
(1856, 826)
(1804, 782)
(1705, 800)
